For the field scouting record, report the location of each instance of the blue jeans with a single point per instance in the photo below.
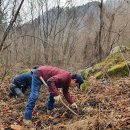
(35, 88)
(51, 102)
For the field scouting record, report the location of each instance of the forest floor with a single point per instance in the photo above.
(105, 105)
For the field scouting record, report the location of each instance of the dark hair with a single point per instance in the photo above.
(73, 76)
(35, 66)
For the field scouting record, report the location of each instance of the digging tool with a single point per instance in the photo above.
(62, 102)
(68, 107)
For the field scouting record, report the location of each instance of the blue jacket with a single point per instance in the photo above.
(23, 80)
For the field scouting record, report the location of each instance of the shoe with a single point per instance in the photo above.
(11, 95)
(19, 92)
(27, 122)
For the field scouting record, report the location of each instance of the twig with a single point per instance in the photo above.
(61, 99)
(68, 108)
(10, 26)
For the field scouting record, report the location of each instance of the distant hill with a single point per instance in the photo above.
(64, 14)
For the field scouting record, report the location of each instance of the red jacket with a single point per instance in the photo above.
(56, 78)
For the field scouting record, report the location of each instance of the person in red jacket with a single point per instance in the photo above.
(55, 78)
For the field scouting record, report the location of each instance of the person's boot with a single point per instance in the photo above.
(11, 94)
(19, 92)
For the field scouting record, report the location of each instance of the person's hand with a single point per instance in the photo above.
(74, 105)
(57, 98)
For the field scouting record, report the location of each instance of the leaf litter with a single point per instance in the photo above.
(104, 106)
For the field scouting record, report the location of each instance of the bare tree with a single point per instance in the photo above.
(10, 25)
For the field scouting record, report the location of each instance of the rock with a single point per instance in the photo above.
(119, 70)
(119, 49)
(85, 73)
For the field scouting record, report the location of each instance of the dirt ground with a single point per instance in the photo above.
(105, 105)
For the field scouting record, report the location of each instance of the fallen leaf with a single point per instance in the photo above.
(16, 127)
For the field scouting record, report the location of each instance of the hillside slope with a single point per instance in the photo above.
(104, 106)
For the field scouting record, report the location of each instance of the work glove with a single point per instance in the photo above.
(57, 98)
(74, 105)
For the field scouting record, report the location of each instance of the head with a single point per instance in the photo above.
(76, 81)
(35, 66)
(12, 90)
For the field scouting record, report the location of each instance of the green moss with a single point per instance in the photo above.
(111, 60)
(24, 71)
(106, 64)
(84, 86)
(91, 70)
(119, 70)
(113, 65)
(9, 77)
(98, 75)
(86, 72)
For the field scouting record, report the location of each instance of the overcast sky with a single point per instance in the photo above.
(77, 2)
(62, 2)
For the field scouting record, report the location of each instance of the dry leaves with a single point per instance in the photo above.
(102, 106)
(16, 127)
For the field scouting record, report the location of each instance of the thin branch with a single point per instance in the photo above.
(10, 26)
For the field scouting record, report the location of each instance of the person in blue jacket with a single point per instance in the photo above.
(21, 83)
